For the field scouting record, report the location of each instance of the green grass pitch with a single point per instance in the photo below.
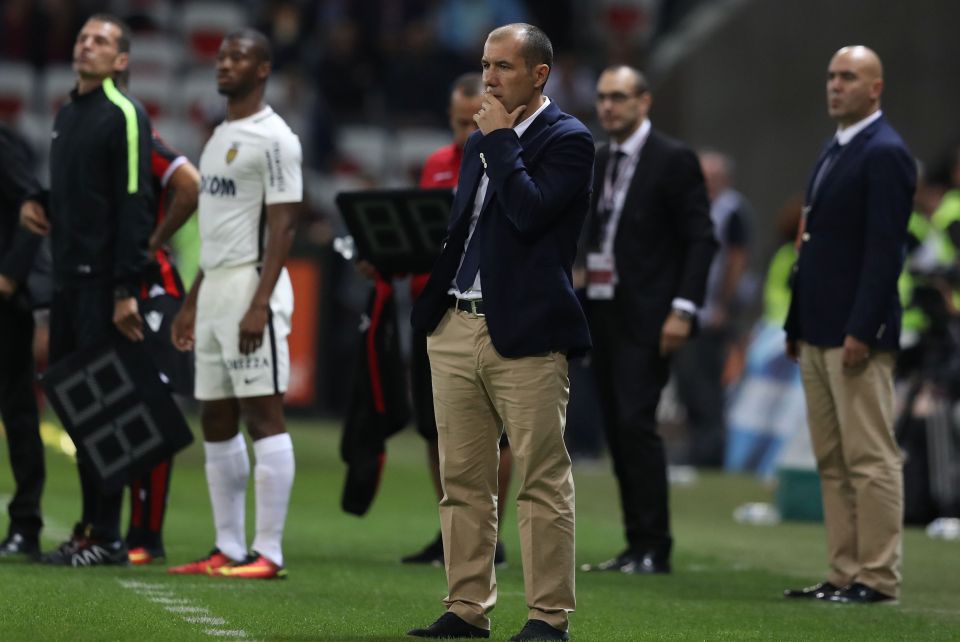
(346, 582)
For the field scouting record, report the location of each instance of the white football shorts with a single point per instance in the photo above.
(222, 372)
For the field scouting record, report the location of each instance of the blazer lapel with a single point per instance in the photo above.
(847, 152)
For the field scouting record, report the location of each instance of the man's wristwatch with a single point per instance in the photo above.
(680, 313)
(121, 292)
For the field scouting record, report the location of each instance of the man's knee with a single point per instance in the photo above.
(263, 416)
(220, 419)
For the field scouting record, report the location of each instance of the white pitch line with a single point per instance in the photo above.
(169, 600)
(163, 594)
(206, 619)
(186, 609)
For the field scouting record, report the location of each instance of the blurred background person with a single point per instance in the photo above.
(647, 248)
(699, 365)
(843, 326)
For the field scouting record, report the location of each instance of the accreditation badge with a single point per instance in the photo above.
(600, 276)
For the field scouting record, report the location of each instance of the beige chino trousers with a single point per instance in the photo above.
(850, 411)
(477, 393)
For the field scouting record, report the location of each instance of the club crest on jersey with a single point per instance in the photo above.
(232, 152)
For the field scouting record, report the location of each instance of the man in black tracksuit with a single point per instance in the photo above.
(18, 406)
(100, 220)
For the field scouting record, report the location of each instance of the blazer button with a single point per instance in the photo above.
(805, 237)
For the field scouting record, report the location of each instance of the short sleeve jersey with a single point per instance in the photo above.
(246, 165)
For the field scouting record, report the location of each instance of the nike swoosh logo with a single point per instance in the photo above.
(250, 380)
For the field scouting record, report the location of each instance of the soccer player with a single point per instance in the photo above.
(237, 314)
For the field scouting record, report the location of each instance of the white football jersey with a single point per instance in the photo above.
(246, 165)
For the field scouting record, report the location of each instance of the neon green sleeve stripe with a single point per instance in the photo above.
(133, 133)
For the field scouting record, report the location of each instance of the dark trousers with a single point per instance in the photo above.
(699, 372)
(81, 315)
(630, 376)
(18, 409)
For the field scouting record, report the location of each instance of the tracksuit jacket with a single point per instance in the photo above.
(100, 198)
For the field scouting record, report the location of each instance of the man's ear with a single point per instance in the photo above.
(121, 62)
(541, 72)
(263, 70)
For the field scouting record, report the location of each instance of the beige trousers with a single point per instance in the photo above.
(850, 412)
(477, 392)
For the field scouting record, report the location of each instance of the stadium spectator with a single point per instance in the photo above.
(501, 316)
(99, 223)
(237, 314)
(844, 327)
(699, 365)
(18, 405)
(648, 251)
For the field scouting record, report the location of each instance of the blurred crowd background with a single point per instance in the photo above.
(365, 84)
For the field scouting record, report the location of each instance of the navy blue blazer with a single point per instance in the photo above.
(535, 204)
(854, 241)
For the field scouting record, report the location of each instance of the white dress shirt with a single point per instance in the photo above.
(474, 291)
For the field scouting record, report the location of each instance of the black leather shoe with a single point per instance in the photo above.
(500, 556)
(629, 562)
(450, 625)
(431, 554)
(615, 564)
(817, 591)
(858, 593)
(17, 545)
(647, 565)
(539, 630)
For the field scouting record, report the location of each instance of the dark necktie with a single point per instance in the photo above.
(605, 208)
(828, 159)
(618, 157)
(471, 262)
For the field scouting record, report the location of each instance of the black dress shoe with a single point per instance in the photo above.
(647, 565)
(615, 564)
(500, 556)
(449, 625)
(17, 545)
(539, 630)
(817, 591)
(431, 554)
(630, 562)
(858, 593)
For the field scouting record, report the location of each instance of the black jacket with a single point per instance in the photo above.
(100, 201)
(665, 240)
(17, 245)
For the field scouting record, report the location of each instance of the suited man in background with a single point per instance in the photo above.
(501, 317)
(844, 326)
(648, 249)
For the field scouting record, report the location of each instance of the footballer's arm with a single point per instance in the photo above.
(185, 185)
(282, 224)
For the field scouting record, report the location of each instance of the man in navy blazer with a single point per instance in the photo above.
(501, 317)
(844, 327)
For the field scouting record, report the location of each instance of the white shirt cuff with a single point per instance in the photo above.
(684, 304)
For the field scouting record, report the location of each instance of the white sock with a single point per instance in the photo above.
(273, 477)
(228, 469)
